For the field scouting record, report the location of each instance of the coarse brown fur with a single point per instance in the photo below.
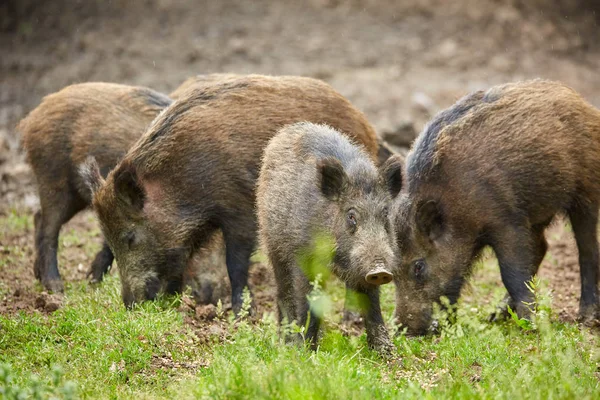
(98, 119)
(314, 181)
(495, 169)
(200, 81)
(194, 172)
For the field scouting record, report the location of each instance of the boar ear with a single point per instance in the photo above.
(90, 174)
(333, 178)
(430, 219)
(127, 186)
(384, 152)
(391, 171)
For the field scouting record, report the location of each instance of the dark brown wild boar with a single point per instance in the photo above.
(194, 171)
(89, 119)
(494, 170)
(315, 181)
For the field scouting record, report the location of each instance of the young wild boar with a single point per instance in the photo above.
(89, 119)
(495, 169)
(194, 172)
(314, 180)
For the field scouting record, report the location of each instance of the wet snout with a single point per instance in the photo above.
(379, 275)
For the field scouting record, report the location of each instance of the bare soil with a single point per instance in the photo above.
(399, 62)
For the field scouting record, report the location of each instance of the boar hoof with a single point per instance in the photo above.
(93, 277)
(590, 317)
(351, 317)
(434, 328)
(384, 347)
(501, 314)
(54, 286)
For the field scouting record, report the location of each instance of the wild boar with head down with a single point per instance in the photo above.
(494, 170)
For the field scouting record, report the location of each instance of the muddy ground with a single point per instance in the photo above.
(398, 61)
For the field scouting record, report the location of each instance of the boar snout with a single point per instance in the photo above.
(152, 288)
(140, 291)
(128, 297)
(379, 275)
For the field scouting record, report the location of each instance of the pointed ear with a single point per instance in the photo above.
(333, 178)
(384, 152)
(430, 219)
(90, 174)
(127, 186)
(391, 172)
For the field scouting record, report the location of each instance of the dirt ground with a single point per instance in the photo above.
(398, 61)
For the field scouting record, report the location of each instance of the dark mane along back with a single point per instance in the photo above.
(420, 160)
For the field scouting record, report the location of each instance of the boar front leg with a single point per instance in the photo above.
(539, 248)
(519, 253)
(101, 264)
(377, 333)
(238, 249)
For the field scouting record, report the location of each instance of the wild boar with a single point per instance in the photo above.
(315, 181)
(494, 170)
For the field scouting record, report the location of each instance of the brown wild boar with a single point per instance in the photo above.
(494, 170)
(194, 171)
(101, 120)
(314, 180)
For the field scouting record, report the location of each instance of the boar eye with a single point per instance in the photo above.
(351, 220)
(419, 269)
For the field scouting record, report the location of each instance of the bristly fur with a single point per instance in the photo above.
(422, 158)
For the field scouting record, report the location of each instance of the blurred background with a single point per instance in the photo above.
(398, 61)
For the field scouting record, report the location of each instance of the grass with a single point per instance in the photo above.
(93, 348)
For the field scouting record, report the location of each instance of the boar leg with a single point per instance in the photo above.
(238, 249)
(305, 312)
(377, 334)
(540, 247)
(54, 213)
(174, 284)
(584, 220)
(37, 221)
(518, 259)
(101, 264)
(286, 298)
